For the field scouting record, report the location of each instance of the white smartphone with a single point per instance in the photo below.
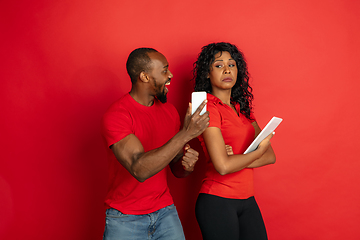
(196, 99)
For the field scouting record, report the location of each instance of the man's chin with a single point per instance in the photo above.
(162, 98)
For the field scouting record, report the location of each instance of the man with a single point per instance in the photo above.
(142, 134)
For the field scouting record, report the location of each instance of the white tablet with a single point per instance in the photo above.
(269, 128)
(196, 99)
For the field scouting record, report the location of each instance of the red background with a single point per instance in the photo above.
(63, 64)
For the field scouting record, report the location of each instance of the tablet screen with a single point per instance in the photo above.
(269, 128)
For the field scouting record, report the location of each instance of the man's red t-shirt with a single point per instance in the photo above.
(153, 126)
(238, 132)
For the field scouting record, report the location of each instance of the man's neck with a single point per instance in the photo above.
(142, 97)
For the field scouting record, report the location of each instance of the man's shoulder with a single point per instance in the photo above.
(122, 103)
(118, 108)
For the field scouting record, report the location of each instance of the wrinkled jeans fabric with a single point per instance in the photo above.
(162, 224)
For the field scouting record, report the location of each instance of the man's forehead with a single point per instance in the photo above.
(158, 58)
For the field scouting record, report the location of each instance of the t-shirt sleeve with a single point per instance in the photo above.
(214, 114)
(116, 125)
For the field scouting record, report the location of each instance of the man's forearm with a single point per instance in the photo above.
(150, 163)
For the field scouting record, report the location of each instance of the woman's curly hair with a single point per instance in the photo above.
(241, 92)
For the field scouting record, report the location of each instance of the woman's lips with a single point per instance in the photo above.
(228, 79)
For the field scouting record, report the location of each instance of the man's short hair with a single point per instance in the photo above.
(137, 62)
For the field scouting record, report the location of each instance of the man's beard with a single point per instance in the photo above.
(162, 96)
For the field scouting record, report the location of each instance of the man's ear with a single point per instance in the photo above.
(144, 77)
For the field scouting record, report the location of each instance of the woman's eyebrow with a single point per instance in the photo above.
(223, 60)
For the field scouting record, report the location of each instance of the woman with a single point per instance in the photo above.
(226, 207)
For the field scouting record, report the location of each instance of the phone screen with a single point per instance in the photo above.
(196, 99)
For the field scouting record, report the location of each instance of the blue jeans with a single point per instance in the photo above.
(162, 224)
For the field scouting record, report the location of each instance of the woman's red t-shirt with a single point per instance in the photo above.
(238, 132)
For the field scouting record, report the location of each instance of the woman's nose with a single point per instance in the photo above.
(226, 69)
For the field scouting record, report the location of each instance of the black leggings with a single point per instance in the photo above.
(229, 219)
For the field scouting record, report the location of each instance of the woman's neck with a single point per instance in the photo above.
(223, 95)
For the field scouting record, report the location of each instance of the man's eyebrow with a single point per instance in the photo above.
(166, 66)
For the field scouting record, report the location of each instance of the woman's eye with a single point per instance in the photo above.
(218, 66)
(232, 64)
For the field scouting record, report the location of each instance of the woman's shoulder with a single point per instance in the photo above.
(214, 107)
(212, 100)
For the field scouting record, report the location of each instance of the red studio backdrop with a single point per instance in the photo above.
(63, 64)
